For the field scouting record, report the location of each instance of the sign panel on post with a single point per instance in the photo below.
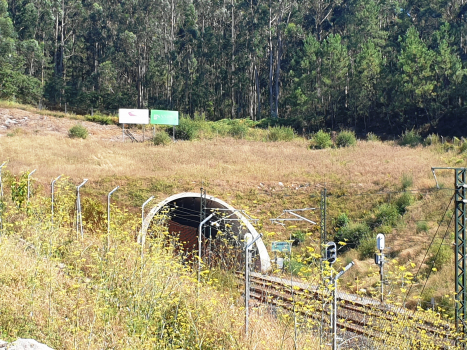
(281, 247)
(164, 117)
(133, 116)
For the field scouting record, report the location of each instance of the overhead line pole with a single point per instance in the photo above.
(461, 248)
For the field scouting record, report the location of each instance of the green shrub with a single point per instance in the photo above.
(161, 138)
(321, 140)
(187, 129)
(372, 137)
(341, 221)
(410, 138)
(440, 255)
(78, 131)
(101, 119)
(238, 129)
(346, 138)
(406, 181)
(422, 226)
(463, 147)
(367, 247)
(386, 214)
(298, 237)
(281, 133)
(404, 200)
(352, 234)
(432, 139)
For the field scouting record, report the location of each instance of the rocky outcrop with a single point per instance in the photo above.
(23, 344)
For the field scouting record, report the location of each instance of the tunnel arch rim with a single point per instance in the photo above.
(263, 253)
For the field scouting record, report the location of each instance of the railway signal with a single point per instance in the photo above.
(331, 252)
(379, 259)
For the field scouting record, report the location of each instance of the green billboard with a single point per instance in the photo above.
(164, 117)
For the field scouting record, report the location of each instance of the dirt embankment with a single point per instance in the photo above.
(19, 122)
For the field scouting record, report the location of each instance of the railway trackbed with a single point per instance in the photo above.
(388, 325)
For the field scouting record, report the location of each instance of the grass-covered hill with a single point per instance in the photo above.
(100, 291)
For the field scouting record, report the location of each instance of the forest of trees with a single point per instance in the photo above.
(367, 64)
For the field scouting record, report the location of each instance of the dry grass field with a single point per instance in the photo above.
(262, 177)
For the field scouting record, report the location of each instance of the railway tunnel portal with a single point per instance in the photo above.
(223, 234)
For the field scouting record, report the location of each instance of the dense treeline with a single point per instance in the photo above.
(334, 63)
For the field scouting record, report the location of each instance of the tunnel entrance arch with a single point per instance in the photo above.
(185, 220)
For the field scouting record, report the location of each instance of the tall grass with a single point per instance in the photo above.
(101, 292)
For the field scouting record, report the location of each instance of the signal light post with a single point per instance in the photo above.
(379, 260)
(331, 257)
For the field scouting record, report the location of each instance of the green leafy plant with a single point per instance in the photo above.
(372, 137)
(410, 138)
(78, 131)
(422, 226)
(432, 139)
(281, 133)
(341, 221)
(403, 201)
(321, 140)
(238, 129)
(346, 138)
(406, 181)
(101, 119)
(463, 147)
(298, 237)
(19, 189)
(386, 214)
(161, 138)
(367, 246)
(352, 234)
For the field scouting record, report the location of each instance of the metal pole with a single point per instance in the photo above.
(123, 132)
(79, 218)
(247, 281)
(334, 316)
(334, 321)
(1, 197)
(108, 215)
(199, 244)
(29, 176)
(53, 184)
(381, 273)
(1, 183)
(143, 239)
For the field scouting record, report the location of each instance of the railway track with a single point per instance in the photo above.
(388, 326)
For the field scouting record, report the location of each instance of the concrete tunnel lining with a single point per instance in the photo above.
(193, 199)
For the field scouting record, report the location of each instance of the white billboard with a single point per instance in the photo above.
(133, 116)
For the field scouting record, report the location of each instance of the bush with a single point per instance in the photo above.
(372, 137)
(432, 139)
(187, 129)
(321, 140)
(101, 119)
(341, 221)
(78, 131)
(238, 129)
(410, 138)
(422, 226)
(440, 255)
(406, 181)
(386, 214)
(161, 138)
(352, 234)
(281, 133)
(346, 138)
(298, 237)
(403, 202)
(463, 147)
(367, 247)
